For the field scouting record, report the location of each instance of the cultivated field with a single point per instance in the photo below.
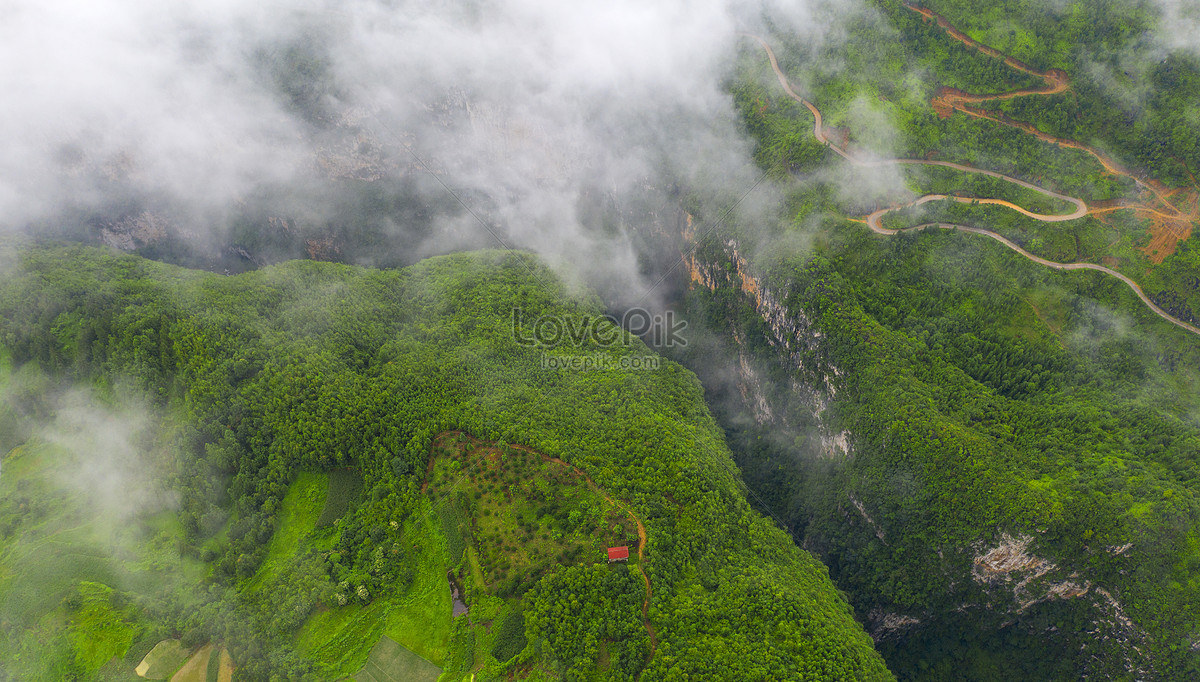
(390, 662)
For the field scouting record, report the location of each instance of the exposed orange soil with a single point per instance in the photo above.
(1056, 81)
(1167, 228)
(821, 135)
(1055, 78)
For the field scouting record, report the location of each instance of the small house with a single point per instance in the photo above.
(618, 554)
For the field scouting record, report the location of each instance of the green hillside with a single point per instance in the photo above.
(252, 393)
(998, 459)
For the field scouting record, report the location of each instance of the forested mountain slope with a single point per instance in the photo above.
(248, 381)
(996, 469)
(997, 459)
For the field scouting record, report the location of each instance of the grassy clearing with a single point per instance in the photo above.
(46, 575)
(422, 620)
(340, 639)
(345, 487)
(98, 631)
(297, 517)
(164, 659)
(527, 515)
(476, 570)
(57, 563)
(55, 541)
(390, 662)
(38, 652)
(18, 462)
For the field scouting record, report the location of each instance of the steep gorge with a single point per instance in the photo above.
(789, 413)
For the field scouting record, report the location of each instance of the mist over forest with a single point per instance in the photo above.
(333, 340)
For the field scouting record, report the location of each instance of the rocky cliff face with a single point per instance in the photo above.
(1018, 579)
(134, 232)
(1010, 573)
(790, 333)
(1010, 567)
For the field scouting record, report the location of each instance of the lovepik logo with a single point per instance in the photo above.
(552, 331)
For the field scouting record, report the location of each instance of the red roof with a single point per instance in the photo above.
(618, 553)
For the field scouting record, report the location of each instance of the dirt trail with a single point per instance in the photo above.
(641, 531)
(948, 100)
(641, 527)
(873, 221)
(818, 127)
(1081, 208)
(1056, 81)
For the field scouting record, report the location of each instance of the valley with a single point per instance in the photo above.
(613, 342)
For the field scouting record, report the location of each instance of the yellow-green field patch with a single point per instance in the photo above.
(225, 671)
(390, 662)
(196, 668)
(421, 620)
(164, 659)
(339, 640)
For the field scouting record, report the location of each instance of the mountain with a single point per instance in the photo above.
(964, 372)
(279, 467)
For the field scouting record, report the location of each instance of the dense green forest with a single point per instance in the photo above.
(997, 461)
(1129, 92)
(243, 402)
(982, 397)
(878, 100)
(918, 454)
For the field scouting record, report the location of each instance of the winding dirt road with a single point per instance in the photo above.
(948, 100)
(873, 223)
(1081, 208)
(1055, 81)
